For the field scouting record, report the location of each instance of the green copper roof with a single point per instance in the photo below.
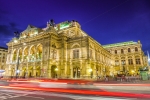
(64, 25)
(119, 44)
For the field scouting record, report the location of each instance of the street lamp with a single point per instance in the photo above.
(56, 69)
(90, 71)
(132, 71)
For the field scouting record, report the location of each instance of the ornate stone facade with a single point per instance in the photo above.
(3, 56)
(128, 57)
(62, 51)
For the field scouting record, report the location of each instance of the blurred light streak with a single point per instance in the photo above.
(85, 92)
(107, 84)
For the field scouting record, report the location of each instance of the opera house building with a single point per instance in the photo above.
(64, 50)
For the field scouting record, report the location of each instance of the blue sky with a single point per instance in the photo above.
(107, 21)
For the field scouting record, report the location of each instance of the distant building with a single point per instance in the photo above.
(3, 56)
(148, 58)
(65, 51)
(128, 57)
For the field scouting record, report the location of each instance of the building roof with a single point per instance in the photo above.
(119, 44)
(3, 48)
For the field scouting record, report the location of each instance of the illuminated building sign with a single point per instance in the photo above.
(64, 25)
(119, 44)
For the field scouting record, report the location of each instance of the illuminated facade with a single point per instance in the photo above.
(128, 57)
(62, 51)
(148, 59)
(3, 56)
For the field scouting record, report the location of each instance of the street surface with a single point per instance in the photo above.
(10, 94)
(75, 90)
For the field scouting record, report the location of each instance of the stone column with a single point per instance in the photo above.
(71, 67)
(141, 60)
(94, 71)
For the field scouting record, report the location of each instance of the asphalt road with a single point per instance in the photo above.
(10, 94)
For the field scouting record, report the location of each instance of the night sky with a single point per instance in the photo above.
(107, 21)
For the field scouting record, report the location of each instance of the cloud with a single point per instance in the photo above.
(7, 32)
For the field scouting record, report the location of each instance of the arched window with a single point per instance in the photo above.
(116, 62)
(136, 49)
(130, 61)
(123, 61)
(129, 50)
(137, 60)
(115, 51)
(122, 51)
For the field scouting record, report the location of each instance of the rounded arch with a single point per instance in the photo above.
(122, 57)
(39, 51)
(75, 45)
(31, 47)
(25, 52)
(14, 55)
(130, 57)
(116, 58)
(32, 52)
(39, 45)
(137, 56)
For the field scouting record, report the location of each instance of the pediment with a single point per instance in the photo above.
(30, 31)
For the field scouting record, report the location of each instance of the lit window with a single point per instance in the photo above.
(136, 49)
(138, 61)
(116, 62)
(130, 61)
(129, 50)
(122, 51)
(115, 51)
(75, 53)
(123, 62)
